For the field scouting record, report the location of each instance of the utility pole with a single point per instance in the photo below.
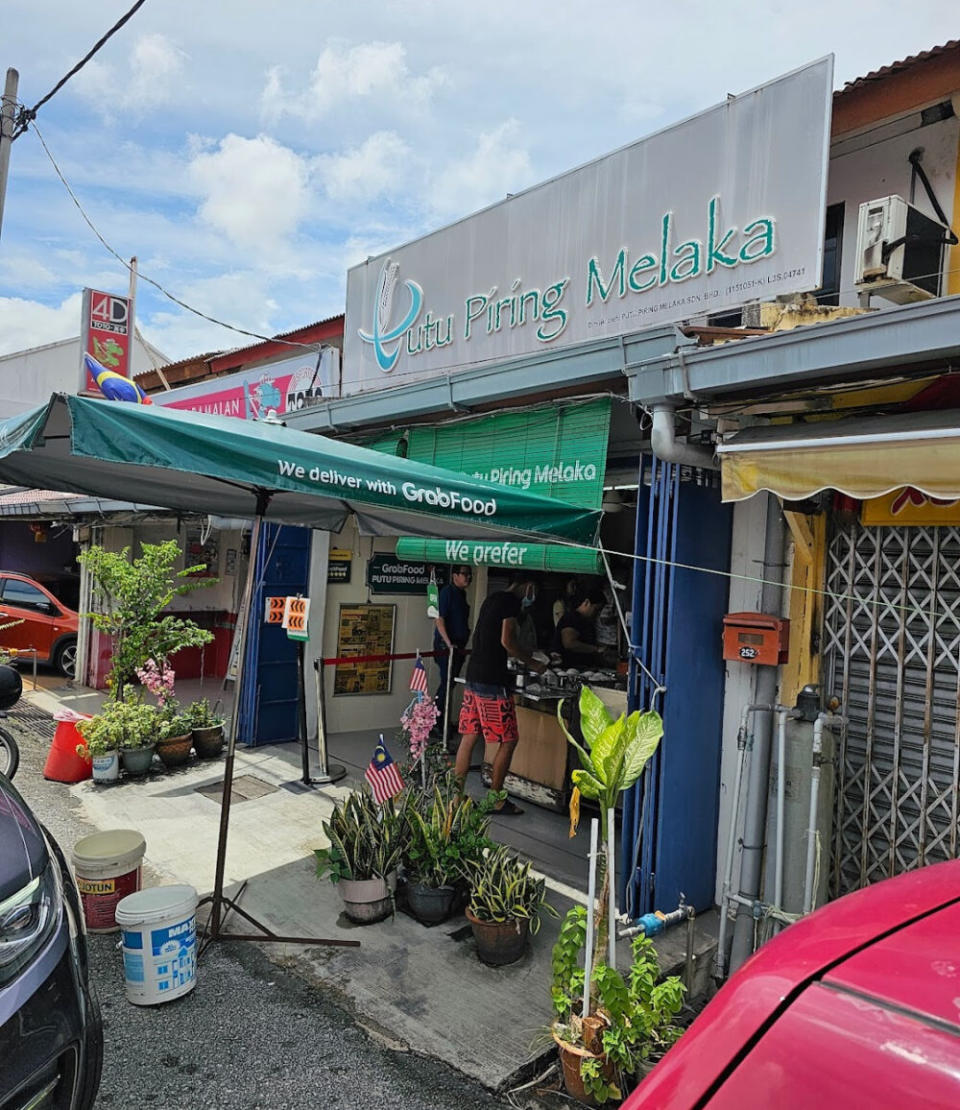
(7, 116)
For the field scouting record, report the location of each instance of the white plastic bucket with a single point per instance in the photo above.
(159, 929)
(107, 867)
(106, 767)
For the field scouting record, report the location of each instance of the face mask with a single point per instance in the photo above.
(527, 602)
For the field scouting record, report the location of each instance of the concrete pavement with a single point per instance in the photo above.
(417, 988)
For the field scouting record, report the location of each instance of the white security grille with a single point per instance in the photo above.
(892, 656)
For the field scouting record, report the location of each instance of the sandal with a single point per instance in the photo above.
(508, 809)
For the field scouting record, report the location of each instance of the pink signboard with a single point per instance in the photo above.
(251, 394)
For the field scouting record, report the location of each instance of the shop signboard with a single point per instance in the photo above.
(722, 209)
(284, 386)
(339, 564)
(105, 335)
(514, 556)
(554, 450)
(388, 574)
(909, 506)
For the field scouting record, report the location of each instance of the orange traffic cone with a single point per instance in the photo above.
(63, 764)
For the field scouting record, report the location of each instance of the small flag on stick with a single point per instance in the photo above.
(418, 680)
(382, 774)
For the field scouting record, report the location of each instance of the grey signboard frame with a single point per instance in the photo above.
(722, 209)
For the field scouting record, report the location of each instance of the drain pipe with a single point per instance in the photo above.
(664, 444)
(755, 822)
(744, 744)
(784, 713)
(809, 894)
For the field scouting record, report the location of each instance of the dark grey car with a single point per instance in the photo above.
(51, 1035)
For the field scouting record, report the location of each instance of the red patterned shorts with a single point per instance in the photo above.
(492, 716)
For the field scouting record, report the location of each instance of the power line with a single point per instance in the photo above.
(27, 115)
(150, 281)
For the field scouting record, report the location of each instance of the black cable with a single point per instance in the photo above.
(28, 114)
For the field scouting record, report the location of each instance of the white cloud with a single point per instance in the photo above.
(254, 190)
(375, 168)
(499, 164)
(376, 71)
(150, 77)
(25, 324)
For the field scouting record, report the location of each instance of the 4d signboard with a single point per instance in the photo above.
(722, 209)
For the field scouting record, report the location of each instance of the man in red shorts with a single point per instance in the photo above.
(488, 708)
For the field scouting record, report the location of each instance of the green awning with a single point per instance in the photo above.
(502, 553)
(215, 464)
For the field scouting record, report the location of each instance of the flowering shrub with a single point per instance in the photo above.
(158, 680)
(417, 721)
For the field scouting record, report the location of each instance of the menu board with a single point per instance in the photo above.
(364, 630)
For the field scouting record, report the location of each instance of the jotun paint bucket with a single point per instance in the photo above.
(159, 928)
(107, 867)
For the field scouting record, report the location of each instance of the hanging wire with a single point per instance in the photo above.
(149, 280)
(27, 115)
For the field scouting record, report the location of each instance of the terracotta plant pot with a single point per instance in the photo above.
(430, 904)
(175, 750)
(571, 1056)
(208, 742)
(499, 942)
(366, 900)
(136, 761)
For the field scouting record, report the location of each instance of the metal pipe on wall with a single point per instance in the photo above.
(809, 895)
(755, 821)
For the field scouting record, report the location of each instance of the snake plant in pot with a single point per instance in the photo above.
(366, 843)
(447, 833)
(505, 905)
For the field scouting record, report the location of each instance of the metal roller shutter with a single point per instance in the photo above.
(892, 656)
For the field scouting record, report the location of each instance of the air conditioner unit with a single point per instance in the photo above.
(899, 251)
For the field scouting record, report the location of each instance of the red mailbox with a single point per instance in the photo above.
(756, 638)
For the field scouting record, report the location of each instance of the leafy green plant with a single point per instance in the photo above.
(612, 757)
(203, 716)
(502, 889)
(447, 833)
(134, 594)
(119, 724)
(367, 840)
(171, 724)
(636, 1012)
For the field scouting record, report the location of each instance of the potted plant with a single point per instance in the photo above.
(132, 727)
(101, 742)
(447, 834)
(207, 727)
(630, 1024)
(174, 736)
(505, 905)
(366, 844)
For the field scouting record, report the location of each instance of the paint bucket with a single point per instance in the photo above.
(159, 929)
(107, 867)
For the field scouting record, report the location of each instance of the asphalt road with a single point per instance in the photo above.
(250, 1035)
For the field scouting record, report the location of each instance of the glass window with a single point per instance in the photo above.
(25, 596)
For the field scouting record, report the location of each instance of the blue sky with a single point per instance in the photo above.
(247, 154)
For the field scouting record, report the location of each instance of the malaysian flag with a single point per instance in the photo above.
(418, 680)
(382, 774)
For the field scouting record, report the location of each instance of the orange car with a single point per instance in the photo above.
(49, 623)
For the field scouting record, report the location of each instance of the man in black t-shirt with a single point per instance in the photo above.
(576, 636)
(488, 709)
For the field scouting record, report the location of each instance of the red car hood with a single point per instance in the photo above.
(874, 926)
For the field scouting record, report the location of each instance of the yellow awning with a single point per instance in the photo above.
(863, 458)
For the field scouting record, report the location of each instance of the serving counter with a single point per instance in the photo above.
(543, 759)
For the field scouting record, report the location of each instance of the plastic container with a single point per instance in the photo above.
(159, 929)
(63, 764)
(107, 867)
